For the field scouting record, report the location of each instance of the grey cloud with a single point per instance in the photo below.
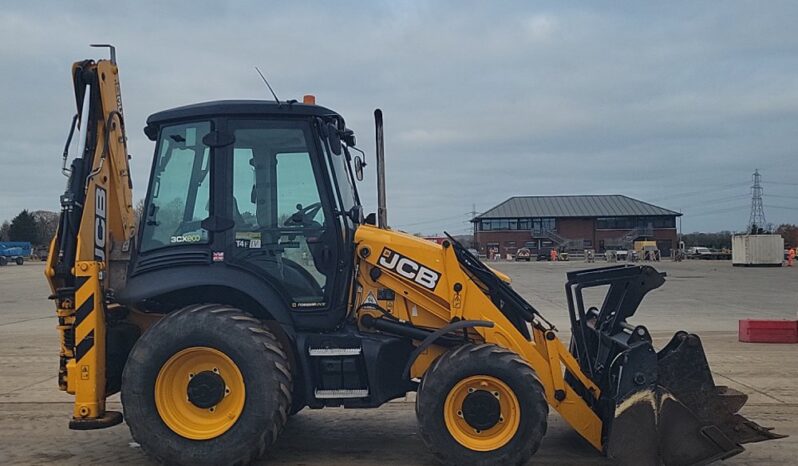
(482, 100)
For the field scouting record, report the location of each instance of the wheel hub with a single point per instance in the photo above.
(200, 393)
(206, 389)
(482, 413)
(481, 410)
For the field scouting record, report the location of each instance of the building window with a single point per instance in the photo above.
(543, 224)
(526, 224)
(629, 223)
(588, 243)
(616, 223)
(498, 224)
(665, 222)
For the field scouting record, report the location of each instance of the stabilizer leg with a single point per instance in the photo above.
(86, 369)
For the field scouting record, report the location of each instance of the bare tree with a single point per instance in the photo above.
(46, 225)
(139, 209)
(4, 229)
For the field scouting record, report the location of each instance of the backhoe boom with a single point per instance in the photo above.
(88, 255)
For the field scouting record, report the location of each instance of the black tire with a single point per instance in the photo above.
(3, 260)
(259, 357)
(481, 360)
(19, 261)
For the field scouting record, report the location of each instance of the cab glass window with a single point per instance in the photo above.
(281, 227)
(179, 198)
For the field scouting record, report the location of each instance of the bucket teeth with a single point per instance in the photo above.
(731, 398)
(657, 408)
(683, 419)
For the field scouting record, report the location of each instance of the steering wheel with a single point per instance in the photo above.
(304, 215)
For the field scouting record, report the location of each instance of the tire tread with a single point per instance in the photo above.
(432, 383)
(273, 354)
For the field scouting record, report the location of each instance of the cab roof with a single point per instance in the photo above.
(237, 107)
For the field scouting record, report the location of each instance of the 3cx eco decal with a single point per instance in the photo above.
(186, 238)
(409, 268)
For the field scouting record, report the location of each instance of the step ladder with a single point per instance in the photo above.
(337, 393)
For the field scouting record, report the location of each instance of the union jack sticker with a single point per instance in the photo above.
(218, 256)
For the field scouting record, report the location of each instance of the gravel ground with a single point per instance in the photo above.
(706, 297)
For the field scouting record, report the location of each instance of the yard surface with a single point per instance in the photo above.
(704, 297)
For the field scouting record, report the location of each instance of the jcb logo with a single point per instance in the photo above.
(99, 223)
(409, 269)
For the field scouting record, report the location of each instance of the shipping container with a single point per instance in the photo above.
(757, 250)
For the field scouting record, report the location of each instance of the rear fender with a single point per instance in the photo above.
(187, 285)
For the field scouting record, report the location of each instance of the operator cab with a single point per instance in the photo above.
(254, 187)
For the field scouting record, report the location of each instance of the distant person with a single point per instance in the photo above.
(790, 256)
(553, 256)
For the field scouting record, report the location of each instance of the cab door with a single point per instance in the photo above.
(280, 205)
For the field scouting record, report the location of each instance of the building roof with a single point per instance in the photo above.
(608, 205)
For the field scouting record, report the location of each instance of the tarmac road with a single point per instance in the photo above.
(703, 296)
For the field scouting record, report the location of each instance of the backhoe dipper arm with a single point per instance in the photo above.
(88, 255)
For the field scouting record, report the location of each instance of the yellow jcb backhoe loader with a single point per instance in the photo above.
(254, 287)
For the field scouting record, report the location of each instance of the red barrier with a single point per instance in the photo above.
(769, 331)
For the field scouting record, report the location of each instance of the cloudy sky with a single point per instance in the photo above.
(673, 103)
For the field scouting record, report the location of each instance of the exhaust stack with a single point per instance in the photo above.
(382, 210)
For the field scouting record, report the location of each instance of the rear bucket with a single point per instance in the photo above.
(683, 419)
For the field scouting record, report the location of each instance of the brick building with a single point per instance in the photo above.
(599, 222)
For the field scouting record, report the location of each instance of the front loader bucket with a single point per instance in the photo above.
(683, 419)
(658, 408)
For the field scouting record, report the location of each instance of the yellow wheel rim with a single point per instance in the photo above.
(172, 399)
(466, 434)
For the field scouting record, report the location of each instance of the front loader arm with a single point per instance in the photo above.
(88, 255)
(400, 262)
(627, 400)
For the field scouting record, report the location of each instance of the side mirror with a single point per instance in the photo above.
(334, 139)
(359, 164)
(349, 138)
